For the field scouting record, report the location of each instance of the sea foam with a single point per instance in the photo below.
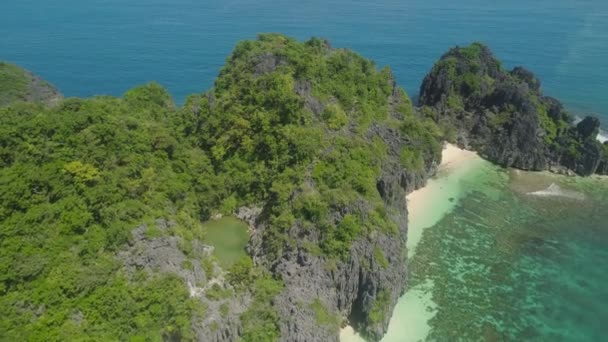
(555, 190)
(603, 136)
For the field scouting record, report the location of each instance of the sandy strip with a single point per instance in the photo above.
(426, 206)
(453, 157)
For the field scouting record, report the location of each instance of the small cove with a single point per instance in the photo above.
(459, 174)
(496, 261)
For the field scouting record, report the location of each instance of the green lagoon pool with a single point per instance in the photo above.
(229, 236)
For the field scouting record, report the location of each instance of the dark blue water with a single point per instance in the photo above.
(107, 46)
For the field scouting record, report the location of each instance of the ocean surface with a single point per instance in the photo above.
(518, 257)
(108, 46)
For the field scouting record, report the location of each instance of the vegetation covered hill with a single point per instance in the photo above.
(17, 84)
(504, 115)
(75, 179)
(102, 202)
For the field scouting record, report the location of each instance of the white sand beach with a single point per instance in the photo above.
(426, 206)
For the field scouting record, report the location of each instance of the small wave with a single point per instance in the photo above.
(603, 136)
(555, 190)
(168, 22)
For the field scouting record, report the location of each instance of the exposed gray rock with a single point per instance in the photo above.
(156, 251)
(588, 128)
(217, 326)
(248, 214)
(504, 115)
(346, 289)
(304, 90)
(25, 86)
(268, 63)
(163, 254)
(602, 168)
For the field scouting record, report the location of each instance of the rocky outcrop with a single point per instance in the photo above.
(361, 290)
(602, 169)
(154, 250)
(17, 84)
(162, 253)
(504, 115)
(221, 322)
(586, 154)
(268, 62)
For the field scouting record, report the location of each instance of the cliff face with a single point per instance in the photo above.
(505, 116)
(363, 288)
(333, 221)
(17, 84)
(314, 147)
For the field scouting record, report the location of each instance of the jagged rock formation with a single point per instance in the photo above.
(163, 254)
(154, 251)
(505, 116)
(361, 288)
(17, 84)
(335, 236)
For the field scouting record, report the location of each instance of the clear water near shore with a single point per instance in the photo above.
(507, 264)
(517, 256)
(461, 173)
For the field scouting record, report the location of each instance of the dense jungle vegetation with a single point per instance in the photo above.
(286, 127)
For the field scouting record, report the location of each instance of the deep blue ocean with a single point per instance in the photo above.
(108, 46)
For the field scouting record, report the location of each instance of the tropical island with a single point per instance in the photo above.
(271, 207)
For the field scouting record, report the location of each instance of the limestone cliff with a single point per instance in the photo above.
(505, 116)
(333, 223)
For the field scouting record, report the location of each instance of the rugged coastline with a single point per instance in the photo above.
(18, 84)
(313, 146)
(506, 117)
(442, 193)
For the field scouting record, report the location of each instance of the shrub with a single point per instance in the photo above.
(380, 258)
(334, 116)
(379, 308)
(323, 316)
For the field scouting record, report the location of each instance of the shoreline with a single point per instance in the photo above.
(426, 206)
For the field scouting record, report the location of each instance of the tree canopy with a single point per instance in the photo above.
(288, 127)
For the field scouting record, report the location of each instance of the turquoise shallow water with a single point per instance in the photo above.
(108, 46)
(505, 255)
(508, 265)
